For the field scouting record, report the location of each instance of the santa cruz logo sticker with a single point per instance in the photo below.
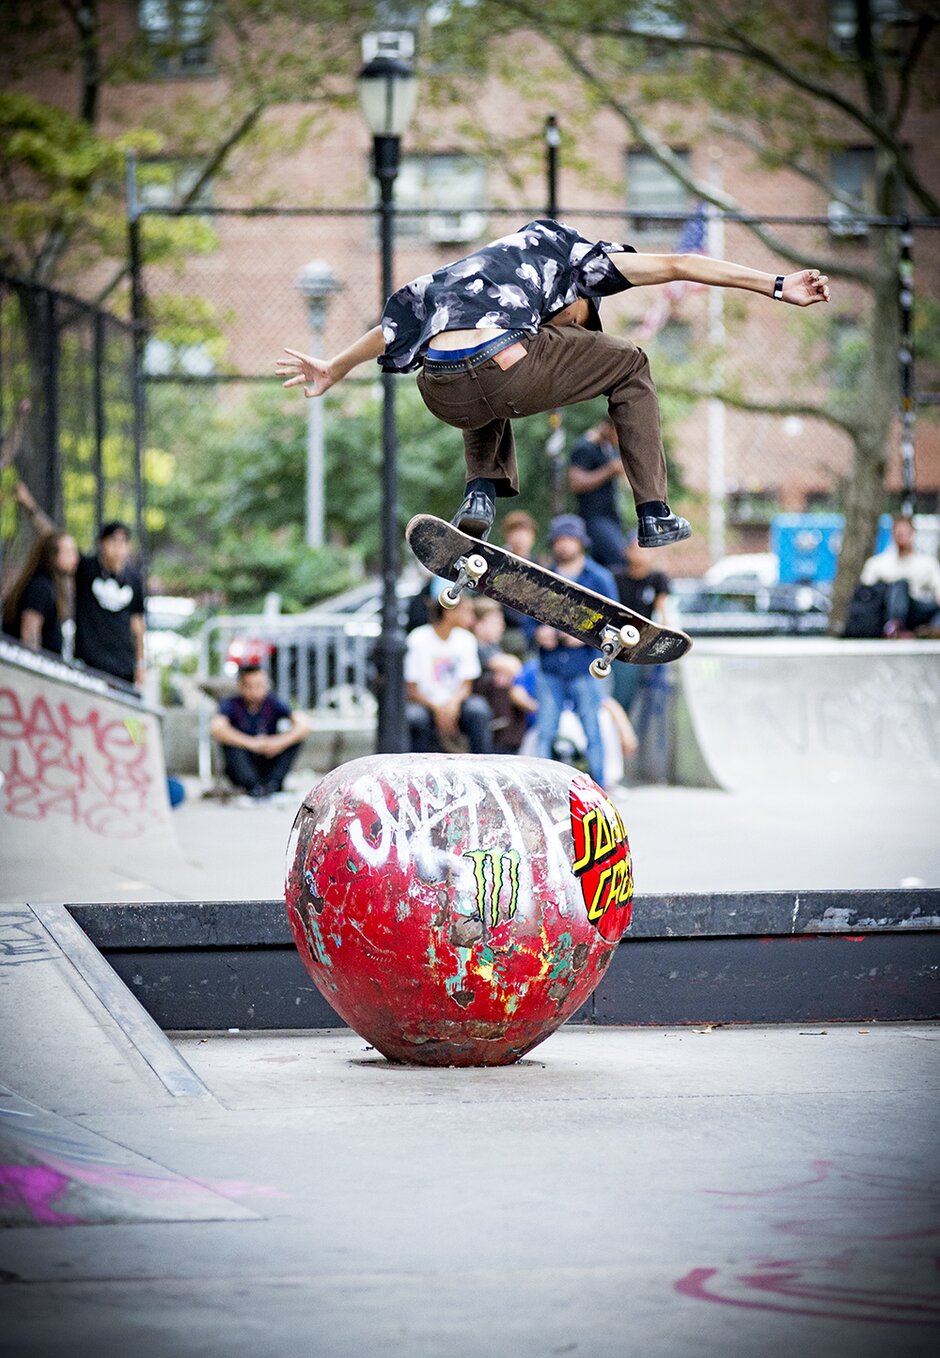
(602, 861)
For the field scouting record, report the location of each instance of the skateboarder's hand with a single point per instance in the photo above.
(302, 369)
(805, 287)
(546, 637)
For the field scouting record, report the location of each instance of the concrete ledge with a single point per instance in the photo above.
(824, 956)
(251, 924)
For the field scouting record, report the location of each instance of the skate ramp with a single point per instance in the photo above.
(807, 716)
(77, 1044)
(84, 810)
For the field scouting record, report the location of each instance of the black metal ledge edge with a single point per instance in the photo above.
(260, 924)
(814, 957)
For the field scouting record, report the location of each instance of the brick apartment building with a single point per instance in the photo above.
(763, 462)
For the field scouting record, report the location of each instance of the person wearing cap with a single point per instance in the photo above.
(514, 329)
(564, 663)
(109, 608)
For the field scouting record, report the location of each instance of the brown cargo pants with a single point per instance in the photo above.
(563, 365)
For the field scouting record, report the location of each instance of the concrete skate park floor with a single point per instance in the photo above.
(683, 840)
(744, 1191)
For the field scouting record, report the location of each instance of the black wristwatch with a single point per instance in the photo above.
(778, 288)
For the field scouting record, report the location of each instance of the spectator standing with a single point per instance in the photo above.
(564, 677)
(593, 477)
(912, 580)
(109, 608)
(645, 591)
(259, 734)
(441, 664)
(39, 600)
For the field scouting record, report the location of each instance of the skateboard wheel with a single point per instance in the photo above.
(629, 635)
(448, 599)
(600, 668)
(475, 566)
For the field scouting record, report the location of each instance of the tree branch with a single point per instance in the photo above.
(706, 192)
(745, 48)
(211, 168)
(755, 407)
(827, 94)
(926, 23)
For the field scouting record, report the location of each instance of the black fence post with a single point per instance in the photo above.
(51, 492)
(138, 321)
(99, 415)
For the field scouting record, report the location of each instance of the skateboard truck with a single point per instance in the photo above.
(613, 641)
(470, 569)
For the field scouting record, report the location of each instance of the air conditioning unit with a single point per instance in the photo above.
(844, 222)
(398, 45)
(453, 228)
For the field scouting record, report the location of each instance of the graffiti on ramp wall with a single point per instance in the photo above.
(77, 756)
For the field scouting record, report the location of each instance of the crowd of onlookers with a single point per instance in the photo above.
(484, 678)
(478, 677)
(89, 608)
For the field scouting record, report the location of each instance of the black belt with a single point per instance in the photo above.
(486, 351)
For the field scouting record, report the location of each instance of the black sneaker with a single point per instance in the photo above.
(659, 530)
(476, 515)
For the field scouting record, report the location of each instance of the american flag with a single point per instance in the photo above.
(691, 242)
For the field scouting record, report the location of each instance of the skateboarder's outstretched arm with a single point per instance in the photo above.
(319, 374)
(802, 288)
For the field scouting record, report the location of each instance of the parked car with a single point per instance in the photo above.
(171, 624)
(749, 610)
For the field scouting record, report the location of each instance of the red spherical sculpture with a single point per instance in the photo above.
(456, 909)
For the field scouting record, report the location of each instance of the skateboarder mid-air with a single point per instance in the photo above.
(514, 329)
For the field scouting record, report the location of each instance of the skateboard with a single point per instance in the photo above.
(469, 563)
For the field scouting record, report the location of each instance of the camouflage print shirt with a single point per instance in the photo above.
(515, 283)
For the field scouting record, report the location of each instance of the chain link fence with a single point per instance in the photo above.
(73, 445)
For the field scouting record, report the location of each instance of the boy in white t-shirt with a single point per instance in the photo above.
(441, 663)
(913, 580)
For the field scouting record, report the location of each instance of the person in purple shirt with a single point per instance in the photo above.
(564, 663)
(259, 734)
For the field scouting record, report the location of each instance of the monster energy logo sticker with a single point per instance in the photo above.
(497, 883)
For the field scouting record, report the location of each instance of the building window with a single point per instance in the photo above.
(448, 190)
(758, 506)
(165, 182)
(178, 35)
(162, 358)
(651, 188)
(852, 174)
(889, 20)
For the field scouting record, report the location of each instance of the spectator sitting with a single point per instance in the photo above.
(40, 597)
(499, 671)
(441, 664)
(519, 532)
(259, 734)
(913, 580)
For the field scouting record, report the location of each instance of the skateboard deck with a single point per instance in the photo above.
(469, 563)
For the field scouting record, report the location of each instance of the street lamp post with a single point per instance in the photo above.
(317, 282)
(387, 91)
